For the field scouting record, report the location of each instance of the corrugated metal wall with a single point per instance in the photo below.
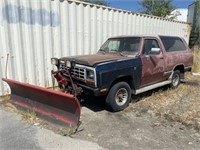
(34, 31)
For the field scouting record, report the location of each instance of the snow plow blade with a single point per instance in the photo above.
(56, 107)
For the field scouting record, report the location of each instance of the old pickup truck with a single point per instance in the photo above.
(123, 66)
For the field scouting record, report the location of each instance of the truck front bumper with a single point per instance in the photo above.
(64, 81)
(95, 91)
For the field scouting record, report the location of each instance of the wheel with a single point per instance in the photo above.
(175, 79)
(119, 96)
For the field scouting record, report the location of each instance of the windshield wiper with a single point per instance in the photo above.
(102, 50)
(114, 50)
(121, 54)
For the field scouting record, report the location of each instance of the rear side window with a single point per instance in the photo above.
(172, 44)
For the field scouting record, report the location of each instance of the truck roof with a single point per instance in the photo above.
(150, 35)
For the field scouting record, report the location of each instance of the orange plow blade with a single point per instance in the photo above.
(57, 107)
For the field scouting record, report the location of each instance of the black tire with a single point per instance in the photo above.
(176, 78)
(119, 96)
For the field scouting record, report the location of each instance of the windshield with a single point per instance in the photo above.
(122, 45)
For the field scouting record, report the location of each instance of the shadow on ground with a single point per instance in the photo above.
(97, 104)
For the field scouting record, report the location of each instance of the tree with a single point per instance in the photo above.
(160, 8)
(98, 2)
(195, 34)
(198, 22)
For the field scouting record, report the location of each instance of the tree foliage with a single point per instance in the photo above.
(160, 8)
(195, 33)
(98, 2)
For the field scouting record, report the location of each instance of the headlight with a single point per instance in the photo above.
(68, 63)
(54, 61)
(90, 75)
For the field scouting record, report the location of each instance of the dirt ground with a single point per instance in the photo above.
(160, 119)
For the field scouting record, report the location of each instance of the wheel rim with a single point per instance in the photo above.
(175, 80)
(121, 96)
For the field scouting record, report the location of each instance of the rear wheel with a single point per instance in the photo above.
(175, 79)
(119, 96)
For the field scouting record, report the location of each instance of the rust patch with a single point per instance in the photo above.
(91, 60)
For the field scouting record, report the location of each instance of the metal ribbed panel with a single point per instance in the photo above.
(34, 31)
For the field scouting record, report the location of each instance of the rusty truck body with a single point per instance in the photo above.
(126, 65)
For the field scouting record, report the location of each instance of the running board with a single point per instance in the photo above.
(147, 88)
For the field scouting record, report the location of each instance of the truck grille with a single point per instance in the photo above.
(76, 72)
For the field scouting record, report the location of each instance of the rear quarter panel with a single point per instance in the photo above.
(178, 57)
(175, 58)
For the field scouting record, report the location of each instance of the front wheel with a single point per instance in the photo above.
(176, 78)
(119, 96)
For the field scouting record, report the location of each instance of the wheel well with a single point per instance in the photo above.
(127, 79)
(181, 69)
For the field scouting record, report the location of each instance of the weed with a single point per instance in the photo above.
(4, 99)
(179, 105)
(196, 63)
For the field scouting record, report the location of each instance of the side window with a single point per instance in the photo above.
(148, 44)
(172, 44)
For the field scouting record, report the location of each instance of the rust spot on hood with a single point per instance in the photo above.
(91, 60)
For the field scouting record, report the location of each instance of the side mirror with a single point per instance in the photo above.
(155, 51)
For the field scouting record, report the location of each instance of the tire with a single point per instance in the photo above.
(119, 96)
(176, 78)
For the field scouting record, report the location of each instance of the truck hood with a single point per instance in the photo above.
(91, 60)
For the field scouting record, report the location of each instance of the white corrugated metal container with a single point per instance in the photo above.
(34, 31)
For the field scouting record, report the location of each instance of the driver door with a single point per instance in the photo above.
(153, 65)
